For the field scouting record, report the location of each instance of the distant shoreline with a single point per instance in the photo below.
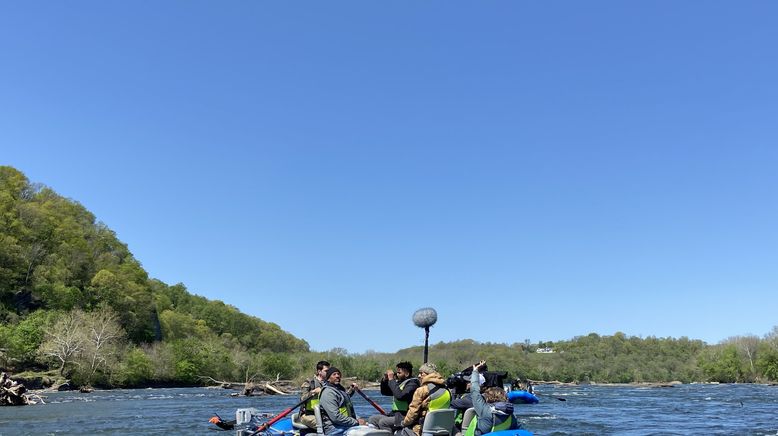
(643, 384)
(374, 386)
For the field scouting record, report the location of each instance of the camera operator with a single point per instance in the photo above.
(462, 382)
(401, 386)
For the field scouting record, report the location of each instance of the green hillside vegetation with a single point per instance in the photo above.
(604, 359)
(64, 276)
(74, 302)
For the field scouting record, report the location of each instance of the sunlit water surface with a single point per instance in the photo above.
(682, 410)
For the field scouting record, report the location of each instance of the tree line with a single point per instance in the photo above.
(75, 300)
(76, 303)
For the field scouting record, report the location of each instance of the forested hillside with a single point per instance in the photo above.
(594, 358)
(75, 302)
(619, 359)
(64, 275)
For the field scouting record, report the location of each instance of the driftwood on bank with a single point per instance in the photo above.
(272, 390)
(12, 393)
(270, 387)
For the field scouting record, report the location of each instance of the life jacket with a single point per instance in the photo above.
(440, 397)
(499, 422)
(313, 400)
(346, 408)
(401, 405)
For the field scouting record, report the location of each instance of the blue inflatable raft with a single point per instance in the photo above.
(510, 433)
(282, 427)
(522, 397)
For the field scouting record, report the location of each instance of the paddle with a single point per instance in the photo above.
(372, 403)
(280, 416)
(224, 425)
(533, 392)
(549, 395)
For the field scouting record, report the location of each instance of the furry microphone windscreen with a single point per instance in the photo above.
(425, 317)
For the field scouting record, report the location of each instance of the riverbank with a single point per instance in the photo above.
(51, 381)
(46, 382)
(643, 384)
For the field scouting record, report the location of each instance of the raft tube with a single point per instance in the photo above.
(518, 432)
(522, 397)
(281, 427)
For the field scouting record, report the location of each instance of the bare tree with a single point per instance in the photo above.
(103, 335)
(64, 341)
(772, 337)
(162, 359)
(90, 340)
(32, 256)
(748, 345)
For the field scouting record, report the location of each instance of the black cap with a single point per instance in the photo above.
(330, 371)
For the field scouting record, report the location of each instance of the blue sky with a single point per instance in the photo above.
(549, 168)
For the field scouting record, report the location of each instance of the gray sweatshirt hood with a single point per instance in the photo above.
(502, 408)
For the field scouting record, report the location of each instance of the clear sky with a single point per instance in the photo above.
(532, 170)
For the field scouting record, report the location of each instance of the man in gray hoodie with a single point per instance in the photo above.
(338, 414)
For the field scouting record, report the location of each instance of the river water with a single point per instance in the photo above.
(617, 410)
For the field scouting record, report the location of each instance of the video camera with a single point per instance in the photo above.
(457, 382)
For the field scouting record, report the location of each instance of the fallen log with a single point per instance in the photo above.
(222, 383)
(12, 392)
(272, 390)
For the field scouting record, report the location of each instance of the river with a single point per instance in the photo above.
(617, 410)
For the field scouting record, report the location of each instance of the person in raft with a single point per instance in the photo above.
(312, 388)
(492, 409)
(337, 412)
(400, 385)
(465, 401)
(431, 395)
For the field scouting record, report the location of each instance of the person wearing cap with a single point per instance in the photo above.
(431, 395)
(337, 412)
(311, 390)
(493, 410)
(401, 386)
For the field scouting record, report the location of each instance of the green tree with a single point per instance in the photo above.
(136, 368)
(767, 362)
(22, 340)
(277, 365)
(722, 364)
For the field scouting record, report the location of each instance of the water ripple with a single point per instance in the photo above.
(617, 410)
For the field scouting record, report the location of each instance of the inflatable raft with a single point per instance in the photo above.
(522, 397)
(518, 432)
